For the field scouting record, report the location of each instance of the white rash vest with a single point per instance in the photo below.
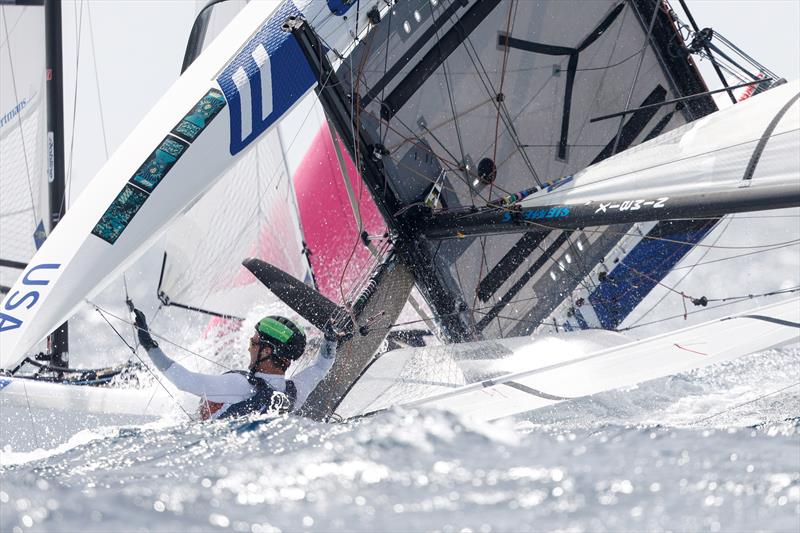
(232, 388)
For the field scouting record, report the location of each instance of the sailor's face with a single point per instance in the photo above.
(255, 348)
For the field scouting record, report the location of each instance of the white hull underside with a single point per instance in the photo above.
(489, 380)
(43, 415)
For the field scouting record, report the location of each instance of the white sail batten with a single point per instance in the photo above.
(236, 91)
(745, 150)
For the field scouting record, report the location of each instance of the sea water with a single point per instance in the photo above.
(717, 449)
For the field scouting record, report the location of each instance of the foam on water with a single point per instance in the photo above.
(8, 457)
(713, 449)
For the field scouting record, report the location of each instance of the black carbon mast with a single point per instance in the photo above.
(58, 341)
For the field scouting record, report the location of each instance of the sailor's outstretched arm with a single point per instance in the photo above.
(307, 379)
(222, 388)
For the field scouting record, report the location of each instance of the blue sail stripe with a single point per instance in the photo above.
(290, 75)
(639, 272)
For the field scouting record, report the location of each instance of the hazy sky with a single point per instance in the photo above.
(768, 30)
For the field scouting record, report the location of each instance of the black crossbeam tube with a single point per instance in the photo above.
(12, 264)
(200, 310)
(492, 221)
(676, 100)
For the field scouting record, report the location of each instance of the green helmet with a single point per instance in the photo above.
(288, 341)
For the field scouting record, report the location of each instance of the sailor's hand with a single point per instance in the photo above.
(143, 332)
(140, 320)
(330, 333)
(334, 332)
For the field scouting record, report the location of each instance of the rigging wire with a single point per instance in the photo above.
(354, 111)
(726, 302)
(449, 90)
(381, 134)
(673, 241)
(506, 50)
(725, 411)
(484, 310)
(612, 65)
(479, 67)
(30, 414)
(133, 350)
(128, 301)
(636, 76)
(706, 251)
(738, 256)
(78, 39)
(100, 106)
(104, 311)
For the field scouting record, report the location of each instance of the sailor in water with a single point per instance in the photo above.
(264, 388)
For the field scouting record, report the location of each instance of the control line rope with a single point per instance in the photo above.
(795, 384)
(133, 350)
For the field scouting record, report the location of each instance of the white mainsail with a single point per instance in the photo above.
(23, 137)
(250, 211)
(233, 93)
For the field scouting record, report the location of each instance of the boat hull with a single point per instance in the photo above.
(39, 415)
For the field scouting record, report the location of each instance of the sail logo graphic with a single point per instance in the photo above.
(265, 79)
(536, 214)
(16, 110)
(34, 278)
